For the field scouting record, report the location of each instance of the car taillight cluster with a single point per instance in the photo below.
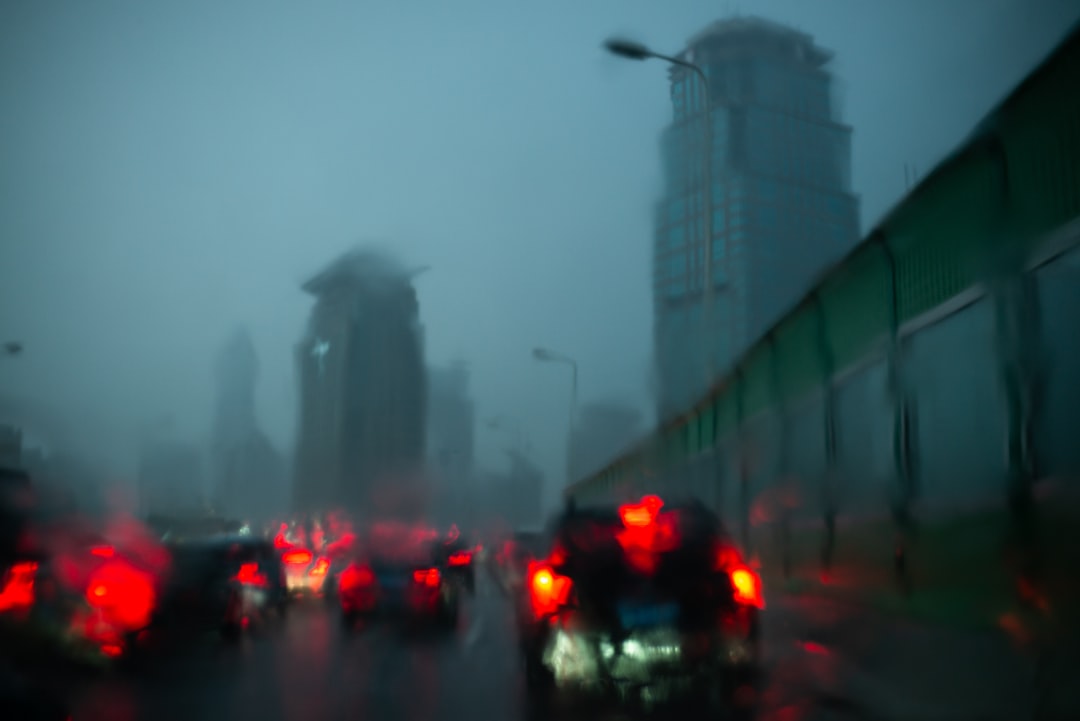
(296, 557)
(461, 558)
(249, 575)
(745, 583)
(321, 567)
(429, 577)
(17, 591)
(549, 591)
(355, 578)
(124, 593)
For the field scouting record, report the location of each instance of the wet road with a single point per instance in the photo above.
(312, 669)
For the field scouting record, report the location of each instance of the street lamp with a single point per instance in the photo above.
(631, 50)
(547, 356)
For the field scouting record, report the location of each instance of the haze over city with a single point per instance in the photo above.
(171, 171)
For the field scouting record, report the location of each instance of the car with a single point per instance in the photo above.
(227, 583)
(637, 604)
(399, 576)
(457, 555)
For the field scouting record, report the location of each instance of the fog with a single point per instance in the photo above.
(171, 170)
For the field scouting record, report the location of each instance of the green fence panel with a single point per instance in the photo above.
(799, 360)
(856, 301)
(1040, 130)
(941, 238)
(727, 410)
(757, 380)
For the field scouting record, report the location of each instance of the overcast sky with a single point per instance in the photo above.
(171, 169)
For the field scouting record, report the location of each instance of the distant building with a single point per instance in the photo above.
(781, 192)
(602, 432)
(248, 473)
(363, 386)
(451, 426)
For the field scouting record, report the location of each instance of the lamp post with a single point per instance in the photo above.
(637, 51)
(547, 356)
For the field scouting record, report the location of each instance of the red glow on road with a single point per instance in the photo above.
(815, 648)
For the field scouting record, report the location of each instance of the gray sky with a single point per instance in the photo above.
(171, 169)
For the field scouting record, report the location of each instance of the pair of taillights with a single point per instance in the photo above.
(549, 591)
(356, 577)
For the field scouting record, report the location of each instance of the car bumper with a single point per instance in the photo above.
(581, 660)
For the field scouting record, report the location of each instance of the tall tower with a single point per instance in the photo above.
(781, 201)
(363, 384)
(247, 471)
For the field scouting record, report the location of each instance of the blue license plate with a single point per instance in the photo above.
(648, 615)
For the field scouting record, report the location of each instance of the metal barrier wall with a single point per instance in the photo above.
(934, 371)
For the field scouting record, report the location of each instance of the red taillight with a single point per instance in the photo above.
(727, 558)
(103, 551)
(124, 592)
(298, 557)
(639, 515)
(355, 577)
(461, 558)
(548, 590)
(18, 589)
(747, 587)
(249, 575)
(428, 576)
(321, 568)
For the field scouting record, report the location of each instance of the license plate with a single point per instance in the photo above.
(392, 583)
(648, 615)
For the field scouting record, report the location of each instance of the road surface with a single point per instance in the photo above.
(312, 669)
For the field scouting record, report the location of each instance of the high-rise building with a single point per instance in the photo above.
(781, 201)
(248, 473)
(363, 388)
(451, 425)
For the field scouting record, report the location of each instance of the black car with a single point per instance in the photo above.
(640, 604)
(456, 555)
(407, 581)
(225, 582)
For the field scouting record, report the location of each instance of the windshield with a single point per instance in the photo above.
(487, 359)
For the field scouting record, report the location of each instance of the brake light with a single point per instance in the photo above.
(122, 591)
(103, 551)
(355, 577)
(18, 589)
(299, 557)
(249, 575)
(322, 567)
(747, 586)
(548, 590)
(427, 576)
(461, 558)
(640, 515)
(727, 558)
